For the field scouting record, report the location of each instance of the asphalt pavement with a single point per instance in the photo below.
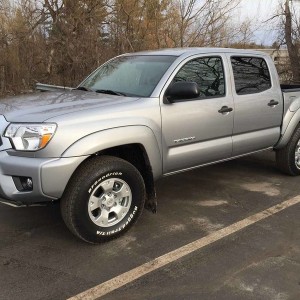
(40, 259)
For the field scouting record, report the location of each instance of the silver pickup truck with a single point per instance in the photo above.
(100, 147)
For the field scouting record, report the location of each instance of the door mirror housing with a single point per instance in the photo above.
(182, 90)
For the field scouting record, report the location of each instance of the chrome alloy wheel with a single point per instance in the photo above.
(297, 155)
(109, 202)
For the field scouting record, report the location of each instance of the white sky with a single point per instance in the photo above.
(259, 11)
(261, 8)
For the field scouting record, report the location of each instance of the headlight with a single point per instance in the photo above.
(30, 137)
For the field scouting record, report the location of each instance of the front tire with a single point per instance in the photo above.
(288, 158)
(103, 199)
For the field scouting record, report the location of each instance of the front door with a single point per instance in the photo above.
(199, 131)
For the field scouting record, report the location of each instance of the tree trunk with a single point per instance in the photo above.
(292, 48)
(2, 79)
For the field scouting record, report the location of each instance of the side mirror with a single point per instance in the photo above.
(182, 90)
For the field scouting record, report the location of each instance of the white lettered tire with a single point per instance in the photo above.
(288, 158)
(103, 199)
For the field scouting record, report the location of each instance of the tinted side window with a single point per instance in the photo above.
(207, 72)
(251, 75)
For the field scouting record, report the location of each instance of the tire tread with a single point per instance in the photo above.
(285, 156)
(67, 203)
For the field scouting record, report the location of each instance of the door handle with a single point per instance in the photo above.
(225, 109)
(273, 103)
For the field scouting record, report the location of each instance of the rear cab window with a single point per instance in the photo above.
(251, 75)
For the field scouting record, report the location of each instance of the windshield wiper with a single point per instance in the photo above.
(110, 92)
(83, 88)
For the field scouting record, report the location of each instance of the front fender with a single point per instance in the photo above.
(101, 140)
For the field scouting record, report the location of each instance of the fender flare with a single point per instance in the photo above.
(109, 138)
(290, 122)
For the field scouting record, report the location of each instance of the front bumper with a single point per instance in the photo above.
(49, 176)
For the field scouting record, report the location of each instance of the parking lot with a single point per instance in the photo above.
(40, 259)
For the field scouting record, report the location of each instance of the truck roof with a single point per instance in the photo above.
(196, 50)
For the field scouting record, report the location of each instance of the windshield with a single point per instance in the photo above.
(129, 75)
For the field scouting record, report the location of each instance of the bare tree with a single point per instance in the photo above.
(61, 41)
(291, 32)
(201, 23)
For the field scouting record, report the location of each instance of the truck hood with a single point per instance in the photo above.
(39, 107)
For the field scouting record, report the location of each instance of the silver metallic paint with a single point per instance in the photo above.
(199, 118)
(109, 138)
(90, 122)
(256, 125)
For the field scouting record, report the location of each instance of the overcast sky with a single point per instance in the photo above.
(264, 8)
(260, 11)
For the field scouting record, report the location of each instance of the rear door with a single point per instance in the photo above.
(195, 132)
(258, 103)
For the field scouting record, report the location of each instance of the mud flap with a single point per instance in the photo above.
(151, 200)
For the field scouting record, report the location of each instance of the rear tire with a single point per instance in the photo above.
(103, 199)
(288, 158)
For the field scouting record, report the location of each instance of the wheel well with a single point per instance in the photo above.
(137, 156)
